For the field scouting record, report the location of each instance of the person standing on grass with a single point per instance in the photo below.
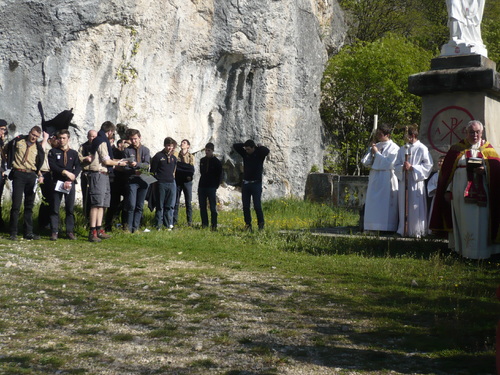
(253, 167)
(136, 186)
(118, 185)
(85, 160)
(99, 188)
(210, 179)
(25, 155)
(413, 165)
(467, 202)
(3, 166)
(65, 167)
(184, 181)
(381, 208)
(47, 187)
(163, 167)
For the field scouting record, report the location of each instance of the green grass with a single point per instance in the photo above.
(275, 298)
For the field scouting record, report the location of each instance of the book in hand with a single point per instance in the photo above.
(475, 162)
(60, 187)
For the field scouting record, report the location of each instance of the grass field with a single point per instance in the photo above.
(279, 301)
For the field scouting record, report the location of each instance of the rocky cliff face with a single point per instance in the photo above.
(207, 70)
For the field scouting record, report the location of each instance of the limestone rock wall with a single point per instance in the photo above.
(207, 70)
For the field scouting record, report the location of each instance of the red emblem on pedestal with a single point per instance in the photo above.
(447, 127)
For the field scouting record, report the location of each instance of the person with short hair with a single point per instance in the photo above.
(210, 179)
(251, 190)
(3, 167)
(47, 188)
(99, 188)
(381, 207)
(65, 167)
(467, 203)
(118, 185)
(136, 186)
(184, 181)
(85, 160)
(415, 170)
(163, 166)
(25, 156)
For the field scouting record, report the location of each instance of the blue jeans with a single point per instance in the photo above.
(165, 204)
(134, 204)
(187, 189)
(252, 191)
(203, 195)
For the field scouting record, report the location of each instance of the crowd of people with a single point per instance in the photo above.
(116, 181)
(464, 207)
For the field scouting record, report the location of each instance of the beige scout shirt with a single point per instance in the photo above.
(25, 160)
(187, 158)
(100, 156)
(84, 164)
(45, 166)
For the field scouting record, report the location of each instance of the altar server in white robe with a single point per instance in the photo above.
(418, 167)
(381, 207)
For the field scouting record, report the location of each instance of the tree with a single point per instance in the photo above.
(362, 80)
(491, 30)
(423, 21)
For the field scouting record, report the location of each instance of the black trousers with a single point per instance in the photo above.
(23, 184)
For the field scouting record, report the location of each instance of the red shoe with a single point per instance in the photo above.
(102, 235)
(93, 236)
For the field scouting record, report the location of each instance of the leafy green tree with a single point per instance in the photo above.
(423, 21)
(363, 80)
(491, 30)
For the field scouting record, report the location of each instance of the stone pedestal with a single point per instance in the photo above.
(456, 90)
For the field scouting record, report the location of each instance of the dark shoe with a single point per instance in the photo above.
(248, 228)
(102, 235)
(53, 237)
(71, 236)
(13, 237)
(93, 236)
(31, 237)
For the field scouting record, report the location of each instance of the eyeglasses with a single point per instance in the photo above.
(471, 132)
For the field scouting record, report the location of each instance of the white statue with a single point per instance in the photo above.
(464, 21)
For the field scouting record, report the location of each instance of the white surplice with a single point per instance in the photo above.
(381, 205)
(421, 161)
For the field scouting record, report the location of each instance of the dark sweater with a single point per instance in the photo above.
(57, 166)
(163, 167)
(211, 172)
(253, 164)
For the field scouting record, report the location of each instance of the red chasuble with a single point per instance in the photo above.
(441, 214)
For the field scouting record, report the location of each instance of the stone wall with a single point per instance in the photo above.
(337, 191)
(212, 70)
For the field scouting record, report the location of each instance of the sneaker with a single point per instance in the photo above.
(102, 235)
(71, 236)
(13, 237)
(31, 236)
(53, 236)
(147, 230)
(170, 227)
(93, 236)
